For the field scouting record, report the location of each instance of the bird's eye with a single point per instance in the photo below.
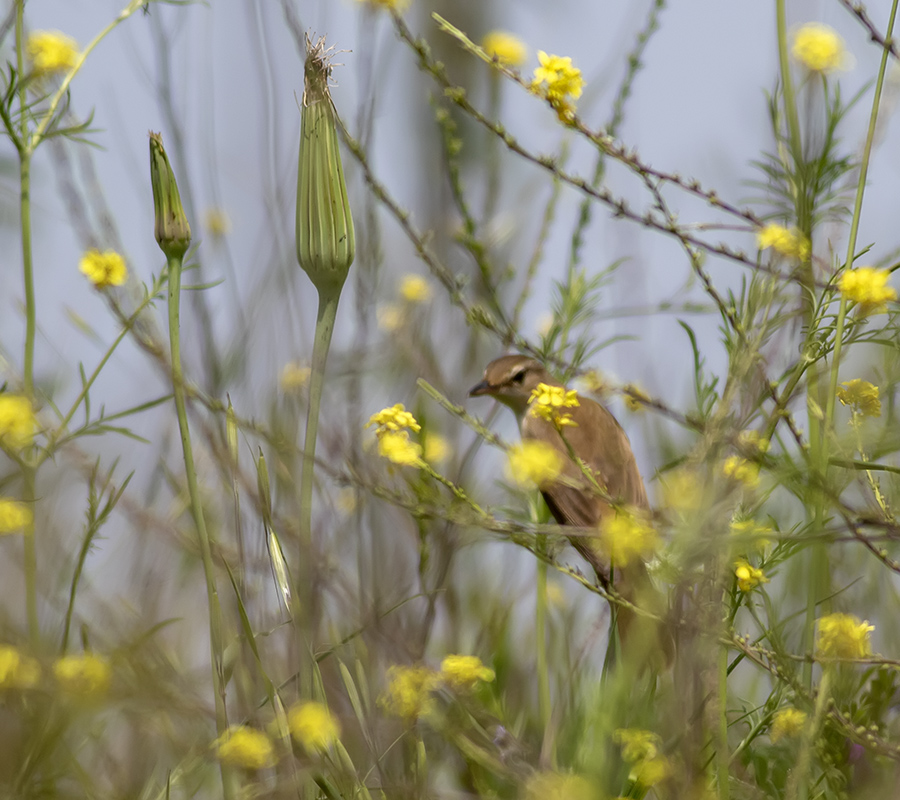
(519, 376)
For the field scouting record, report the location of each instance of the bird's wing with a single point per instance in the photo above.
(599, 441)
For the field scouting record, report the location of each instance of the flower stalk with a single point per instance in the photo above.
(173, 234)
(326, 245)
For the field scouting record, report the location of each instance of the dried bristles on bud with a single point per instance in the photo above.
(326, 243)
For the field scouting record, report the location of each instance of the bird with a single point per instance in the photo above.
(593, 436)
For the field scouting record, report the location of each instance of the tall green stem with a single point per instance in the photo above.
(854, 222)
(328, 305)
(215, 611)
(28, 470)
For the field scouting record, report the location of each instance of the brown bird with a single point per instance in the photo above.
(597, 439)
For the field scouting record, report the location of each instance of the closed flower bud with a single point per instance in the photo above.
(326, 242)
(173, 233)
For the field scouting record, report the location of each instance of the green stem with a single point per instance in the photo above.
(854, 222)
(215, 611)
(798, 784)
(540, 626)
(328, 305)
(723, 758)
(28, 468)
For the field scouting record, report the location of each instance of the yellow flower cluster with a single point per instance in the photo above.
(787, 723)
(751, 440)
(51, 51)
(843, 636)
(533, 463)
(437, 448)
(751, 532)
(635, 398)
(507, 49)
(409, 692)
(682, 490)
(103, 269)
(393, 426)
(868, 287)
(819, 48)
(84, 676)
(784, 241)
(17, 671)
(642, 749)
(409, 689)
(628, 535)
(391, 5)
(862, 396)
(245, 747)
(557, 81)
(415, 289)
(741, 470)
(748, 577)
(463, 672)
(548, 402)
(558, 786)
(294, 376)
(17, 421)
(313, 726)
(14, 516)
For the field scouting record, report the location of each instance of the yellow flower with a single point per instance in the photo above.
(868, 287)
(390, 318)
(313, 726)
(635, 397)
(558, 786)
(641, 749)
(750, 532)
(103, 269)
(217, 223)
(785, 241)
(396, 446)
(533, 462)
(245, 747)
(395, 418)
(741, 470)
(85, 675)
(626, 536)
(17, 671)
(751, 440)
(17, 421)
(437, 448)
(14, 516)
(862, 396)
(463, 672)
(548, 401)
(682, 490)
(748, 576)
(506, 48)
(843, 636)
(409, 691)
(51, 51)
(819, 48)
(294, 376)
(559, 83)
(391, 5)
(415, 289)
(787, 723)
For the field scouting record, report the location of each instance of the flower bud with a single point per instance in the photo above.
(173, 233)
(326, 242)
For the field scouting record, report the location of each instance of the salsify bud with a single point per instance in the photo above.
(326, 242)
(173, 233)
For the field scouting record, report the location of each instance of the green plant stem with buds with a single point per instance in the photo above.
(854, 222)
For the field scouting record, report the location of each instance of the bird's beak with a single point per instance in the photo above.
(480, 389)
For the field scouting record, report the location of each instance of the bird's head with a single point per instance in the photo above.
(511, 379)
